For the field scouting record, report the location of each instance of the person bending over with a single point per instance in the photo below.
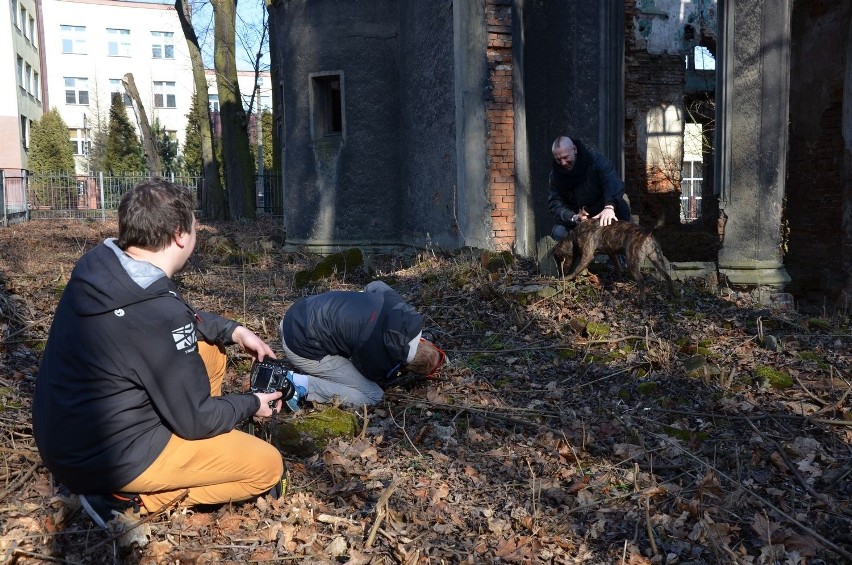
(583, 185)
(352, 344)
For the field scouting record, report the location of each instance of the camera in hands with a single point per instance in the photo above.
(270, 375)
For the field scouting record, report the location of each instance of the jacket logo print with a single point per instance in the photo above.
(184, 337)
(118, 312)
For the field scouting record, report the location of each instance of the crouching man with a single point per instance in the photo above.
(351, 345)
(128, 411)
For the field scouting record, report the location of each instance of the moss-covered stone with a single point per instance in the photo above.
(304, 435)
(527, 294)
(597, 331)
(344, 261)
(772, 377)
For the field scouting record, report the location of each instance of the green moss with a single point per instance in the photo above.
(344, 261)
(310, 433)
(624, 394)
(648, 388)
(705, 343)
(8, 399)
(772, 377)
(567, 353)
(478, 360)
(702, 351)
(820, 323)
(597, 331)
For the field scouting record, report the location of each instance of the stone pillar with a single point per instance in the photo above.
(752, 107)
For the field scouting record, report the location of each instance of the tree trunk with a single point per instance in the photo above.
(213, 201)
(149, 146)
(236, 150)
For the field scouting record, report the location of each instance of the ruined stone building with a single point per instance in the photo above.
(429, 123)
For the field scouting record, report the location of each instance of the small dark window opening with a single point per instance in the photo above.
(328, 106)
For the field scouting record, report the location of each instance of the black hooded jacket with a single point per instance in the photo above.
(591, 184)
(370, 328)
(121, 373)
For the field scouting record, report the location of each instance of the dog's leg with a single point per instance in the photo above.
(656, 257)
(634, 263)
(583, 257)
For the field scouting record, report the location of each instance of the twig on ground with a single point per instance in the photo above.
(381, 512)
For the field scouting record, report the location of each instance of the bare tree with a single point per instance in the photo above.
(149, 146)
(213, 201)
(236, 149)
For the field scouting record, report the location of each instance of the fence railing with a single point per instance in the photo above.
(96, 195)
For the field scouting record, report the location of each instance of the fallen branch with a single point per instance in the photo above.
(381, 512)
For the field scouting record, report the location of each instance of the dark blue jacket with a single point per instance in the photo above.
(121, 373)
(591, 184)
(370, 328)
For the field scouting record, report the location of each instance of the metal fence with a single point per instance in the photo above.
(96, 195)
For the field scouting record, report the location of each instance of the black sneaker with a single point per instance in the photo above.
(103, 507)
(280, 488)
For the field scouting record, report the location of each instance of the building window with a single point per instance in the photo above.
(28, 78)
(327, 98)
(36, 85)
(20, 73)
(32, 31)
(692, 174)
(115, 85)
(163, 45)
(164, 94)
(118, 42)
(77, 91)
(79, 143)
(22, 22)
(214, 102)
(25, 132)
(14, 6)
(74, 39)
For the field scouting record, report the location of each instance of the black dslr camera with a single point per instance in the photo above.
(270, 375)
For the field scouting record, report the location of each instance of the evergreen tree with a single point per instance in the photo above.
(192, 140)
(266, 134)
(97, 151)
(51, 160)
(50, 146)
(124, 150)
(166, 147)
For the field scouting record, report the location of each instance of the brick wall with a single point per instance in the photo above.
(501, 123)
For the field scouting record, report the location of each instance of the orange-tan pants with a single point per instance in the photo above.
(227, 468)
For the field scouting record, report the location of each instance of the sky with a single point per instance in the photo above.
(249, 20)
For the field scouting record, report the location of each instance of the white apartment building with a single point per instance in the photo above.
(246, 82)
(21, 96)
(91, 44)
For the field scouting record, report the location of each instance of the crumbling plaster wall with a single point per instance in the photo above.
(659, 35)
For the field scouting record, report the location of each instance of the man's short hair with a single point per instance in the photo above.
(426, 359)
(150, 214)
(561, 140)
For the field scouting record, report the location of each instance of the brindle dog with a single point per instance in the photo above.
(635, 242)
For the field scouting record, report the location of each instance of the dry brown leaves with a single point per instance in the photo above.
(660, 441)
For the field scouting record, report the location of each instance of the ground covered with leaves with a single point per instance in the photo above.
(571, 424)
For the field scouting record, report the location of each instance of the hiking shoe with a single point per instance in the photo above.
(280, 488)
(295, 402)
(104, 507)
